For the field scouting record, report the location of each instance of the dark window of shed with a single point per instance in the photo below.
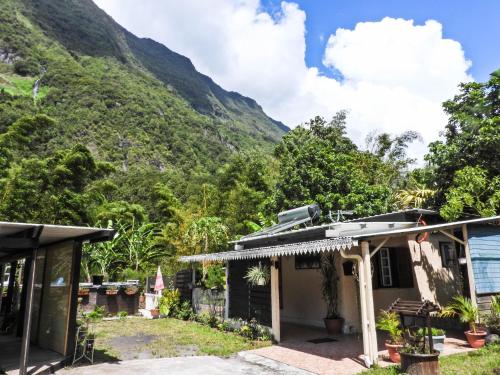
(448, 254)
(392, 268)
(307, 261)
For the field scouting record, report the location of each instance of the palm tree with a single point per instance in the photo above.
(464, 308)
(416, 197)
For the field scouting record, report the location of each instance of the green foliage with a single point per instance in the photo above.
(319, 163)
(207, 234)
(472, 141)
(169, 302)
(463, 308)
(389, 322)
(434, 331)
(215, 276)
(96, 314)
(492, 319)
(185, 311)
(329, 284)
(122, 314)
(472, 191)
(258, 275)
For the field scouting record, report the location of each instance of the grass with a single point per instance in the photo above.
(135, 337)
(21, 86)
(480, 362)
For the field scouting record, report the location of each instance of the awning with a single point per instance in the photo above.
(310, 247)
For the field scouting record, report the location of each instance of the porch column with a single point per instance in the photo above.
(25, 342)
(362, 300)
(275, 299)
(365, 253)
(470, 272)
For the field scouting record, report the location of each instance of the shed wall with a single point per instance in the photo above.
(484, 243)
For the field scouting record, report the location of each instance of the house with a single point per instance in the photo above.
(410, 254)
(39, 305)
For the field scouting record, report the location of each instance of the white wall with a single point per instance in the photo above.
(303, 303)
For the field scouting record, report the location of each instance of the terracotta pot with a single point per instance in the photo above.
(155, 313)
(334, 326)
(476, 340)
(111, 292)
(393, 350)
(83, 293)
(130, 292)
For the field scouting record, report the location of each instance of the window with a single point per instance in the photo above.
(392, 268)
(448, 254)
(385, 267)
(307, 261)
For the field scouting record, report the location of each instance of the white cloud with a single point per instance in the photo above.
(396, 74)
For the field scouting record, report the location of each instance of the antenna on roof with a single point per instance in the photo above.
(340, 215)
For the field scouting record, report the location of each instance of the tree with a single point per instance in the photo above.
(472, 192)
(319, 163)
(140, 247)
(206, 234)
(472, 139)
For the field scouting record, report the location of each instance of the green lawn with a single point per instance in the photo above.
(480, 362)
(143, 338)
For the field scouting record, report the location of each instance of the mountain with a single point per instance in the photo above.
(131, 101)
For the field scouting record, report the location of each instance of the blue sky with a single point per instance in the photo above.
(473, 23)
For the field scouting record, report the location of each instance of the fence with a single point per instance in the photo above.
(209, 300)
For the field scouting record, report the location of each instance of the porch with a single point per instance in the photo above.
(344, 356)
(40, 361)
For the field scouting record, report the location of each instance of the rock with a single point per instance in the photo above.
(492, 338)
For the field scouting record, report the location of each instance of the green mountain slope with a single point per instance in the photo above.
(131, 101)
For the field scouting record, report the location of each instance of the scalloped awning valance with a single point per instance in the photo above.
(310, 247)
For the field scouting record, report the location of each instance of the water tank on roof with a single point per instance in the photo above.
(310, 212)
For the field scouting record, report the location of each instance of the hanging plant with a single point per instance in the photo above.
(258, 275)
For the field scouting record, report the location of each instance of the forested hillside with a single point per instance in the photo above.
(99, 127)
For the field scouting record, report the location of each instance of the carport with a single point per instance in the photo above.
(38, 309)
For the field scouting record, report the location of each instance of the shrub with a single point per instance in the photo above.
(97, 314)
(122, 314)
(169, 302)
(27, 67)
(389, 322)
(185, 312)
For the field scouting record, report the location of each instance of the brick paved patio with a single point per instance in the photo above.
(342, 357)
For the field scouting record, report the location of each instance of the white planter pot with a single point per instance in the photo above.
(437, 342)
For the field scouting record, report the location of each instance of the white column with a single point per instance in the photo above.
(365, 253)
(275, 299)
(470, 272)
(362, 300)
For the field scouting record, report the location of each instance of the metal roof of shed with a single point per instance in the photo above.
(18, 237)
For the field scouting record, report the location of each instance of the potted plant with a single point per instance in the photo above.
(155, 313)
(438, 337)
(333, 321)
(389, 322)
(82, 292)
(112, 290)
(468, 313)
(416, 356)
(258, 275)
(131, 290)
(97, 279)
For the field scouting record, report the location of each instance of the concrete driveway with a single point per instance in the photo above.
(244, 363)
